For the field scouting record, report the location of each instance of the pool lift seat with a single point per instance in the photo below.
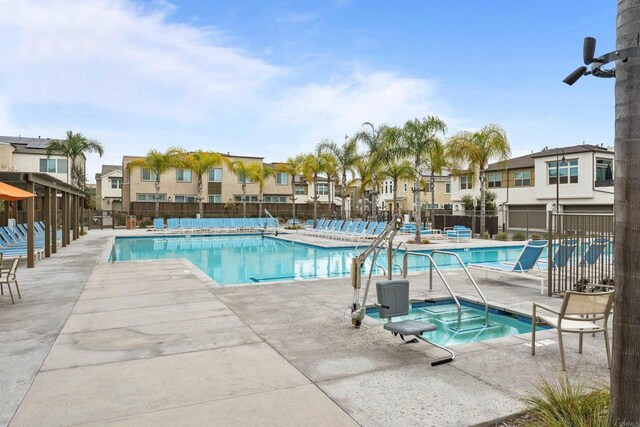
(393, 301)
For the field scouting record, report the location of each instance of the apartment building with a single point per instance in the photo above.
(575, 178)
(109, 188)
(220, 185)
(21, 154)
(405, 194)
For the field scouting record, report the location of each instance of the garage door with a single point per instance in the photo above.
(527, 216)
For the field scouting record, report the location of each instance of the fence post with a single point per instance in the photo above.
(527, 224)
(549, 252)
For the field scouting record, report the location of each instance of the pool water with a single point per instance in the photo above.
(444, 315)
(240, 259)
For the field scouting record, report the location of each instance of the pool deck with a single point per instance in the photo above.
(155, 343)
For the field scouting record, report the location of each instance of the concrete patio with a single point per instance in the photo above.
(158, 343)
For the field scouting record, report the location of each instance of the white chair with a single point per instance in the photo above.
(579, 313)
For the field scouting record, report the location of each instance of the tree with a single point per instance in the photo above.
(293, 167)
(75, 146)
(345, 159)
(375, 151)
(313, 165)
(259, 173)
(199, 162)
(437, 161)
(157, 163)
(396, 171)
(489, 203)
(243, 171)
(477, 149)
(415, 144)
(364, 173)
(625, 373)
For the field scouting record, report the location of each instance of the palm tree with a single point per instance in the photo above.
(76, 145)
(437, 161)
(364, 172)
(259, 174)
(331, 172)
(199, 162)
(396, 171)
(158, 163)
(313, 165)
(293, 166)
(625, 372)
(477, 149)
(417, 139)
(346, 158)
(374, 143)
(243, 171)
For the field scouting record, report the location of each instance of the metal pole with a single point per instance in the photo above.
(46, 207)
(31, 207)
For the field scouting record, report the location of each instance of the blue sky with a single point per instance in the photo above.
(273, 78)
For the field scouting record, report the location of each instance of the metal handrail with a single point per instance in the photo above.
(112, 255)
(464, 267)
(395, 251)
(446, 284)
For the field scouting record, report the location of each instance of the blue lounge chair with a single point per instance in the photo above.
(337, 226)
(458, 232)
(158, 224)
(196, 225)
(596, 248)
(524, 264)
(563, 254)
(185, 225)
(208, 224)
(173, 224)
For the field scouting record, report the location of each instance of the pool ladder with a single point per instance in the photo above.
(434, 265)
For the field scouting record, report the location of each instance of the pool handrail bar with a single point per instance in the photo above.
(432, 263)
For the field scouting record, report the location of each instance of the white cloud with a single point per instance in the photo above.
(134, 79)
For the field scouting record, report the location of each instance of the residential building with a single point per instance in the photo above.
(22, 154)
(527, 187)
(405, 194)
(220, 185)
(109, 188)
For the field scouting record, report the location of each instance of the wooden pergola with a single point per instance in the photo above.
(61, 205)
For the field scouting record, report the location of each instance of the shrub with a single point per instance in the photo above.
(536, 237)
(145, 223)
(486, 235)
(561, 404)
(519, 235)
(501, 236)
(424, 241)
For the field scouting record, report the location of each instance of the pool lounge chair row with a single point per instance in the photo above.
(214, 225)
(13, 240)
(347, 230)
(458, 232)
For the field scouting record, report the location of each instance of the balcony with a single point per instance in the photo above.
(604, 183)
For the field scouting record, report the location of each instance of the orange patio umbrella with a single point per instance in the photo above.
(11, 193)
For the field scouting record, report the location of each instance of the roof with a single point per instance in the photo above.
(107, 169)
(527, 161)
(30, 145)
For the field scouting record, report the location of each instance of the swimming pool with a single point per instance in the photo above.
(241, 259)
(444, 314)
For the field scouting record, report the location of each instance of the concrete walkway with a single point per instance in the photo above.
(156, 343)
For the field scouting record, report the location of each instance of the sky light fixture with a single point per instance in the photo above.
(588, 55)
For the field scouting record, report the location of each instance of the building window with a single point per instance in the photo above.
(183, 175)
(300, 189)
(185, 199)
(215, 175)
(568, 172)
(248, 198)
(429, 187)
(53, 165)
(523, 179)
(275, 199)
(148, 175)
(447, 187)
(604, 170)
(150, 197)
(430, 206)
(245, 180)
(282, 178)
(406, 187)
(466, 183)
(494, 180)
(215, 198)
(323, 189)
(116, 182)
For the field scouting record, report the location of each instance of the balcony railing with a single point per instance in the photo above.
(605, 183)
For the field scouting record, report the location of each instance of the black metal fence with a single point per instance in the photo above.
(146, 210)
(581, 255)
(469, 221)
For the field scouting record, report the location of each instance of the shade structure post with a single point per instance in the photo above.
(65, 219)
(46, 208)
(82, 200)
(31, 207)
(54, 221)
(76, 217)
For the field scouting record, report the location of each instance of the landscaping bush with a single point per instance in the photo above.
(145, 223)
(486, 235)
(519, 235)
(536, 237)
(501, 236)
(561, 404)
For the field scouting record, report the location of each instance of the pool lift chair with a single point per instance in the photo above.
(393, 295)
